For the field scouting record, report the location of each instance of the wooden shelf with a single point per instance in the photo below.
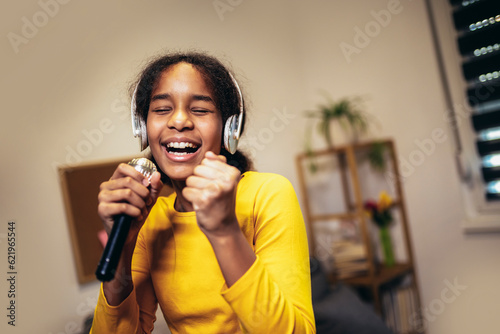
(351, 188)
(334, 216)
(382, 276)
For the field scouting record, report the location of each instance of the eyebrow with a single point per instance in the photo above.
(205, 98)
(160, 97)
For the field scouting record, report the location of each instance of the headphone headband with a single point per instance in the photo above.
(240, 103)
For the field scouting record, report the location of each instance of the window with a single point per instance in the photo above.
(478, 26)
(467, 40)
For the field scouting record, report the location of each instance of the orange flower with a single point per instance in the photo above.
(379, 211)
(384, 201)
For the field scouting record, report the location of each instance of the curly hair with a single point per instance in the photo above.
(218, 80)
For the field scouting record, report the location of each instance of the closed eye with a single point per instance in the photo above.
(161, 110)
(201, 110)
(202, 104)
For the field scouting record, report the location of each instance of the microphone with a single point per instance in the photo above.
(111, 255)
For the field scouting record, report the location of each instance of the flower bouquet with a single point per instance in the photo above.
(380, 214)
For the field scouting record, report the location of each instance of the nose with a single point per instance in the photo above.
(180, 120)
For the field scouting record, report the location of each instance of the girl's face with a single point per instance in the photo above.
(183, 122)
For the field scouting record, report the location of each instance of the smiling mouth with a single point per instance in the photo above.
(181, 148)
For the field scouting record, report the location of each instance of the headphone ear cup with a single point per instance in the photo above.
(138, 124)
(144, 135)
(231, 135)
(139, 130)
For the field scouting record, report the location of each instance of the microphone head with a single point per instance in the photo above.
(143, 166)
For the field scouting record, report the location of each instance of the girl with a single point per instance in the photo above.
(227, 251)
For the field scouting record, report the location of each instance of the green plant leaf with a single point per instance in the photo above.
(376, 156)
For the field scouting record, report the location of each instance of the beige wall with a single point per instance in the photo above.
(71, 73)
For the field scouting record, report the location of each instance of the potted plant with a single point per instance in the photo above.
(349, 114)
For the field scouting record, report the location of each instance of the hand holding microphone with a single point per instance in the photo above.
(129, 195)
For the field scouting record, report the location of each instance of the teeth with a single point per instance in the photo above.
(181, 145)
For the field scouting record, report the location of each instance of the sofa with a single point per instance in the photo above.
(338, 309)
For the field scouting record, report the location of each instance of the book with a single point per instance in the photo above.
(349, 258)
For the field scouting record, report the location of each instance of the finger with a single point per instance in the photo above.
(114, 209)
(217, 164)
(195, 196)
(211, 155)
(218, 171)
(210, 172)
(156, 187)
(198, 182)
(122, 196)
(126, 182)
(206, 189)
(126, 170)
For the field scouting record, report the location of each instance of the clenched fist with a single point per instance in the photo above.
(212, 191)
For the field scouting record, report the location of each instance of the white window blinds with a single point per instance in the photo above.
(478, 27)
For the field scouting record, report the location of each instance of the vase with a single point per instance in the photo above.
(386, 242)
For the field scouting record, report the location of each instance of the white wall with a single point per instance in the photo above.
(397, 72)
(73, 72)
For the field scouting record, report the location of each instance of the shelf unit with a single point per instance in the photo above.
(377, 277)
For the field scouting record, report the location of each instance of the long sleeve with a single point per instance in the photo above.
(274, 295)
(136, 314)
(174, 266)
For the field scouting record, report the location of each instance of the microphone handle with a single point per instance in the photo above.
(111, 255)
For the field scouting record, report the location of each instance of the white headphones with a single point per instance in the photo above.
(232, 129)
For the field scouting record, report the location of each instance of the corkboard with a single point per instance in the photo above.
(80, 186)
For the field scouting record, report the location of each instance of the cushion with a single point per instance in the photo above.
(342, 312)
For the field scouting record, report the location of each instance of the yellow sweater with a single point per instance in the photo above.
(174, 266)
